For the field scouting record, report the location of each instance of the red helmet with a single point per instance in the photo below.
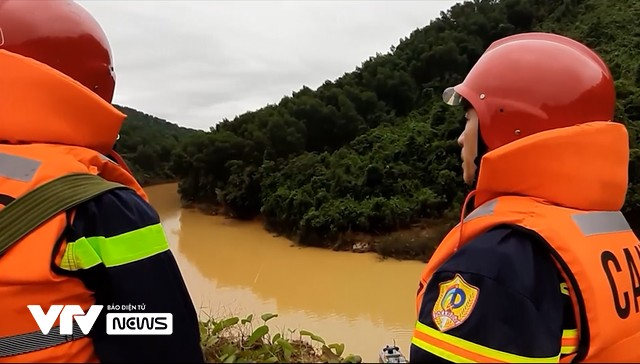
(63, 35)
(532, 82)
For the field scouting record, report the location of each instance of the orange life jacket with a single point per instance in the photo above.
(50, 126)
(567, 186)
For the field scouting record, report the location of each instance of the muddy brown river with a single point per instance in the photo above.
(234, 267)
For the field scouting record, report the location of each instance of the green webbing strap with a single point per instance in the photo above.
(29, 211)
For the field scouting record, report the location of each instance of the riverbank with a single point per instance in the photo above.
(154, 182)
(415, 243)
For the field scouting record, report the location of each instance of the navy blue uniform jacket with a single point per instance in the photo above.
(121, 217)
(522, 309)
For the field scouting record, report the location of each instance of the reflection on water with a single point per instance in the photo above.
(234, 267)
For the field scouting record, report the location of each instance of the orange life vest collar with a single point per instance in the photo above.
(584, 167)
(41, 105)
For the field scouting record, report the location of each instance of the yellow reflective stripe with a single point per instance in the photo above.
(440, 352)
(116, 250)
(130, 246)
(471, 351)
(79, 255)
(564, 288)
(569, 341)
(570, 334)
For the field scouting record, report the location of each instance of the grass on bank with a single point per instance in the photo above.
(240, 340)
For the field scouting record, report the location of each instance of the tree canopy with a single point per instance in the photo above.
(375, 150)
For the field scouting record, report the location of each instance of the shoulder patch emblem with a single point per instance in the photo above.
(455, 303)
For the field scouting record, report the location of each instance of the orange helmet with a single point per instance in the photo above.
(531, 82)
(63, 35)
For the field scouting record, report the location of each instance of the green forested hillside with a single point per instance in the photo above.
(374, 151)
(146, 143)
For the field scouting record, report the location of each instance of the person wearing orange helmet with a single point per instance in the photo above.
(56, 86)
(545, 268)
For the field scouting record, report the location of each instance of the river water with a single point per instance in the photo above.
(234, 267)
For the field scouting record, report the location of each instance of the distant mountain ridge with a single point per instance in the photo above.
(147, 143)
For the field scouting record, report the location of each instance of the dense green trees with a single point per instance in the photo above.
(147, 143)
(374, 151)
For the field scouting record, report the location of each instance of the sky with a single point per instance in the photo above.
(194, 63)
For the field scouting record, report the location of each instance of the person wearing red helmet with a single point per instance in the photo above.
(545, 268)
(56, 86)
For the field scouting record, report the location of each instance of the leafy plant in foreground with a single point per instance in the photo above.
(235, 340)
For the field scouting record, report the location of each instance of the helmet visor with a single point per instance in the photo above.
(451, 97)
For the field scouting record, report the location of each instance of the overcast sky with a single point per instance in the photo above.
(196, 62)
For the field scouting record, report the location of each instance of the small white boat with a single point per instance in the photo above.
(392, 354)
